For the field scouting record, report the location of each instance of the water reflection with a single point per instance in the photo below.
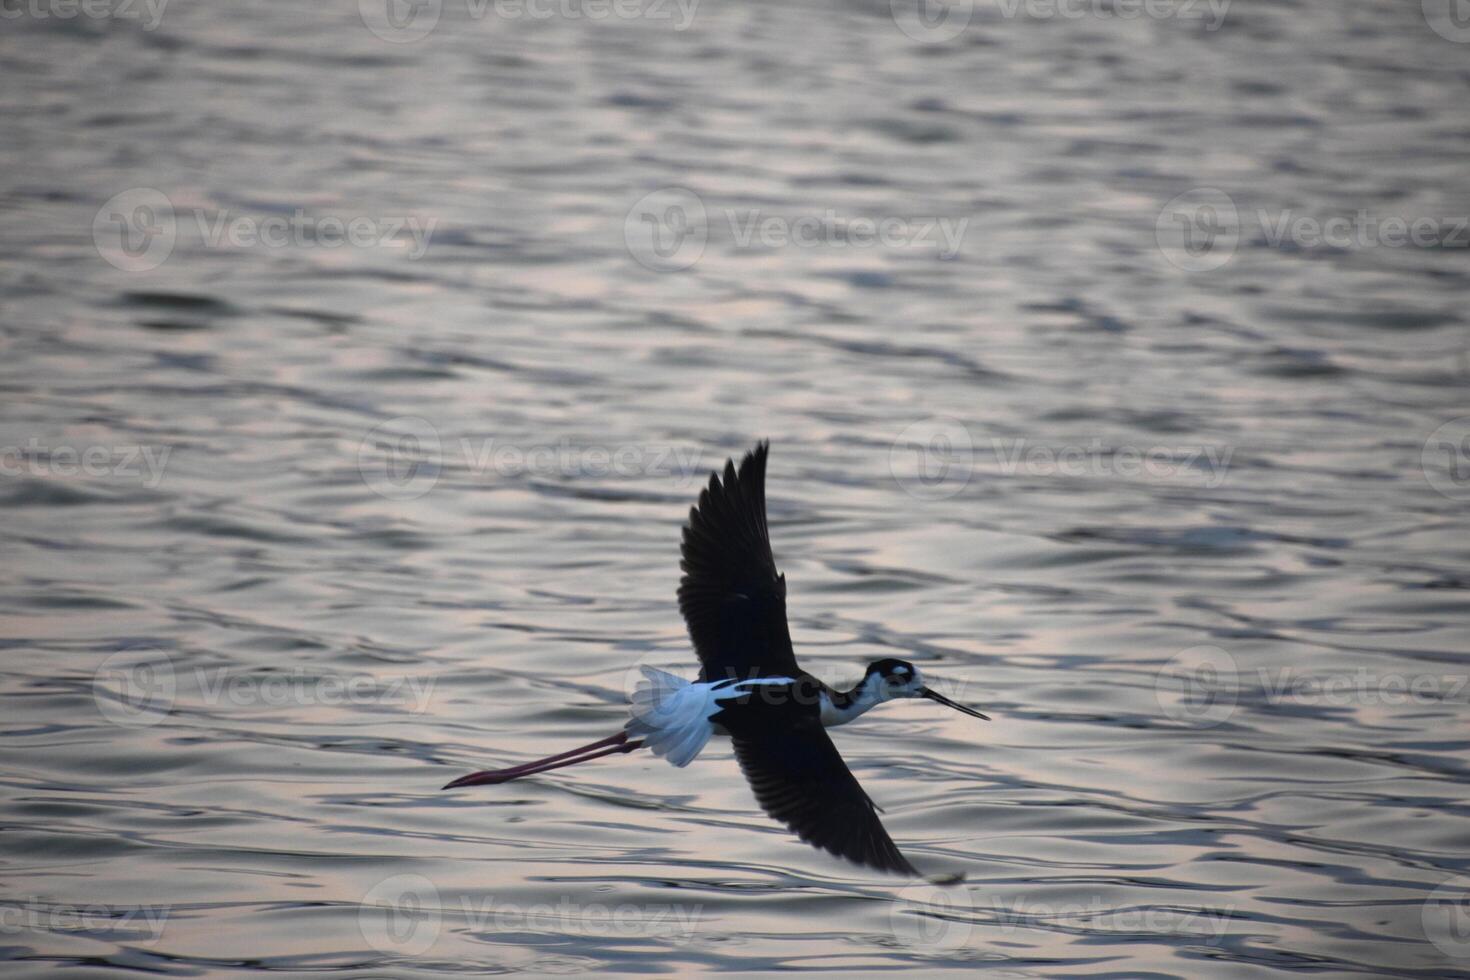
(351, 429)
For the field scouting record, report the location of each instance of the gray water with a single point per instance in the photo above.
(296, 530)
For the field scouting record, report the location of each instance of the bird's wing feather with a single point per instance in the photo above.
(732, 597)
(800, 779)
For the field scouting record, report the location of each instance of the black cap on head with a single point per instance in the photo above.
(890, 667)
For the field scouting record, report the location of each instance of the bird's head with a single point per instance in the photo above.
(889, 678)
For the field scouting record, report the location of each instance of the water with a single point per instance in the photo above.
(296, 531)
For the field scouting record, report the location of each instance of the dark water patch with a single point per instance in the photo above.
(173, 325)
(184, 303)
(1297, 363)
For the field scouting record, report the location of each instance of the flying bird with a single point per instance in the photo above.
(750, 686)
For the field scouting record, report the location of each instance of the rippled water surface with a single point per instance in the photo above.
(295, 531)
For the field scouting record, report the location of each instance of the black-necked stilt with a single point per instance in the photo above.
(750, 686)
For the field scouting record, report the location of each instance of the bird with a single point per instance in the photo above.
(750, 687)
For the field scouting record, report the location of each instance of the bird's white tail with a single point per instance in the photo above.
(672, 715)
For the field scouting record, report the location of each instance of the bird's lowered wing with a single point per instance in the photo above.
(800, 779)
(732, 597)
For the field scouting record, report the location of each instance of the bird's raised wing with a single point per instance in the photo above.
(800, 779)
(732, 597)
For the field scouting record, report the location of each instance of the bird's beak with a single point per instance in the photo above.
(936, 696)
(488, 777)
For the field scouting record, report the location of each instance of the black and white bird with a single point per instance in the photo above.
(750, 686)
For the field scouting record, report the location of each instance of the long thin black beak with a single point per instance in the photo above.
(936, 696)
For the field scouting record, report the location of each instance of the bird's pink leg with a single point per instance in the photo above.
(608, 746)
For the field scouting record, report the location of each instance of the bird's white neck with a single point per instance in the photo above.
(867, 694)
